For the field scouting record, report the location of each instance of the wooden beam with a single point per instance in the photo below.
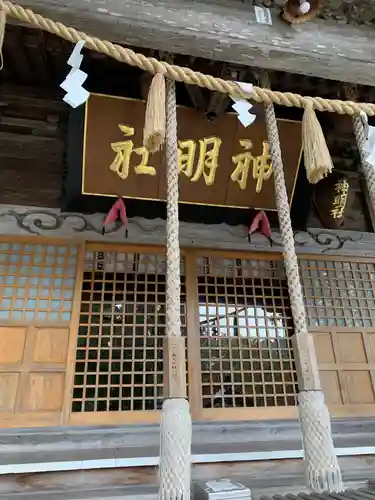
(88, 227)
(224, 30)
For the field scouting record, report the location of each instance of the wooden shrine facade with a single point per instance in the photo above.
(82, 327)
(82, 315)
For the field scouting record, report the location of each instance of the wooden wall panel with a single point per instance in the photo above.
(331, 387)
(42, 392)
(32, 146)
(8, 391)
(371, 344)
(50, 345)
(12, 343)
(346, 359)
(32, 375)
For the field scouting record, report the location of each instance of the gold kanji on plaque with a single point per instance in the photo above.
(208, 159)
(261, 166)
(340, 199)
(124, 150)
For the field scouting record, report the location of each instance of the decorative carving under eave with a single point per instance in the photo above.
(41, 221)
(330, 240)
(300, 11)
(17, 220)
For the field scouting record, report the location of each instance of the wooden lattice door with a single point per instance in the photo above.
(245, 326)
(119, 351)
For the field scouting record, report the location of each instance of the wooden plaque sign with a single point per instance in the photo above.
(221, 163)
(333, 199)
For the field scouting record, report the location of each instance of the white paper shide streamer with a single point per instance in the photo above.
(75, 93)
(242, 106)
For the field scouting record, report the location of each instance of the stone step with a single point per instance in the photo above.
(133, 456)
(211, 436)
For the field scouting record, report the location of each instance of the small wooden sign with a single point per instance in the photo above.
(221, 163)
(221, 489)
(333, 199)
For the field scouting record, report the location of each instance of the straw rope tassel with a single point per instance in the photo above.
(367, 168)
(154, 129)
(317, 159)
(175, 436)
(323, 471)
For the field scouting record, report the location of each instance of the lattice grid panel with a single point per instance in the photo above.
(119, 363)
(339, 293)
(245, 329)
(36, 282)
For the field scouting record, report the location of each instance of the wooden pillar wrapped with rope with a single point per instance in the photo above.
(323, 471)
(175, 434)
(359, 128)
(2, 34)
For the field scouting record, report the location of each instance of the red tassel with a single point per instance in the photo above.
(118, 210)
(265, 228)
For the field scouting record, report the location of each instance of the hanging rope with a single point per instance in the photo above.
(179, 74)
(317, 159)
(323, 471)
(175, 436)
(173, 245)
(2, 34)
(360, 138)
(367, 168)
(154, 128)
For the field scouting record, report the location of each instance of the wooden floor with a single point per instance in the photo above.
(140, 484)
(143, 440)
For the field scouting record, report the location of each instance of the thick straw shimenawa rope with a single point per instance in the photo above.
(179, 74)
(323, 471)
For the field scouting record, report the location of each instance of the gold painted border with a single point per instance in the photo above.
(158, 199)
